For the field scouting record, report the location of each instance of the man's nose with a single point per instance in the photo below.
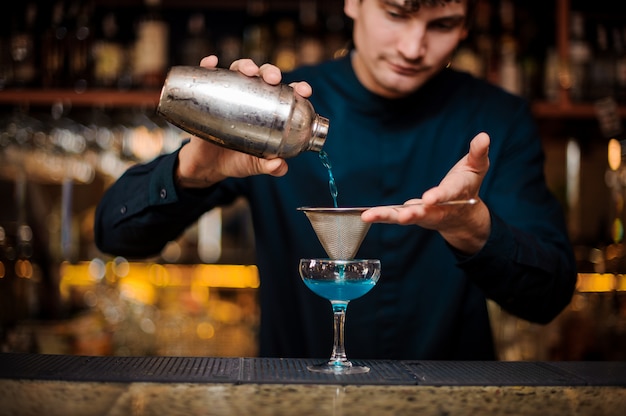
(412, 41)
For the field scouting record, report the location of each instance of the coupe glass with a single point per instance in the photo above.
(339, 281)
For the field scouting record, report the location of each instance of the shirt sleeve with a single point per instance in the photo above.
(527, 265)
(529, 277)
(144, 209)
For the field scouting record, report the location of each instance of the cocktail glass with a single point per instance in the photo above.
(339, 281)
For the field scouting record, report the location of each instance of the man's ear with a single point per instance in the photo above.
(351, 8)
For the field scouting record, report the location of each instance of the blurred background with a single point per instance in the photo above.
(79, 84)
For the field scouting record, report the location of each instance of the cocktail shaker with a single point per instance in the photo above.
(241, 113)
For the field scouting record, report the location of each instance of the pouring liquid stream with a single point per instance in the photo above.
(331, 179)
(333, 190)
(332, 185)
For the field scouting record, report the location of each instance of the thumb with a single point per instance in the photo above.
(274, 167)
(478, 157)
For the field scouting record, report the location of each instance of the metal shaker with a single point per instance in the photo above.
(241, 113)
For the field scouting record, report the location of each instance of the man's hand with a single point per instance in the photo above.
(465, 227)
(202, 164)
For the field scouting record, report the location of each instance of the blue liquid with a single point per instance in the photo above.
(340, 290)
(331, 179)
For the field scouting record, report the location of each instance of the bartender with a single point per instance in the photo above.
(403, 126)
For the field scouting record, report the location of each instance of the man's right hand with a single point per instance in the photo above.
(202, 164)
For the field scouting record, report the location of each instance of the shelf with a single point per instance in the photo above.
(139, 98)
(240, 5)
(563, 109)
(546, 110)
(99, 97)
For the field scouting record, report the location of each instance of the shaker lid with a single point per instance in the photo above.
(320, 131)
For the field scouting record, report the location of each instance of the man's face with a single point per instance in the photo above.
(399, 49)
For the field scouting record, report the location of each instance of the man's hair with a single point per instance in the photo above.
(414, 5)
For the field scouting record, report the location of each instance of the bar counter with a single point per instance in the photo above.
(44, 384)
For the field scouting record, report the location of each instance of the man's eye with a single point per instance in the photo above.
(396, 15)
(442, 26)
(445, 25)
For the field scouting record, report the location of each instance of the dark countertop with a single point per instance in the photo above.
(36, 384)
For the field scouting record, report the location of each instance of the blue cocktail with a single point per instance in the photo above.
(339, 281)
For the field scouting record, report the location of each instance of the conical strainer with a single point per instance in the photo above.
(340, 230)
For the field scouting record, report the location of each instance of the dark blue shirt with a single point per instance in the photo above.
(430, 302)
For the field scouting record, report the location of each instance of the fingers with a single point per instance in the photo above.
(380, 215)
(302, 88)
(270, 73)
(245, 66)
(393, 214)
(209, 61)
(439, 194)
(478, 157)
(274, 167)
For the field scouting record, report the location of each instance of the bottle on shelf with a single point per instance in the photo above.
(23, 47)
(337, 39)
(310, 47)
(619, 45)
(197, 44)
(54, 48)
(229, 49)
(7, 20)
(551, 76)
(6, 64)
(531, 43)
(602, 67)
(80, 45)
(579, 57)
(257, 37)
(509, 68)
(475, 54)
(284, 54)
(109, 54)
(151, 49)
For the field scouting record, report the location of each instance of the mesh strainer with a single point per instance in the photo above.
(340, 230)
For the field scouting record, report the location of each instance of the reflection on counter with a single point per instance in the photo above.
(151, 309)
(140, 309)
(592, 327)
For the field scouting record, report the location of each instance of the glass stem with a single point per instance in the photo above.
(339, 350)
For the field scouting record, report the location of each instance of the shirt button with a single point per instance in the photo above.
(123, 210)
(163, 193)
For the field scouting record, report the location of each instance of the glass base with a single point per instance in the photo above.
(338, 367)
